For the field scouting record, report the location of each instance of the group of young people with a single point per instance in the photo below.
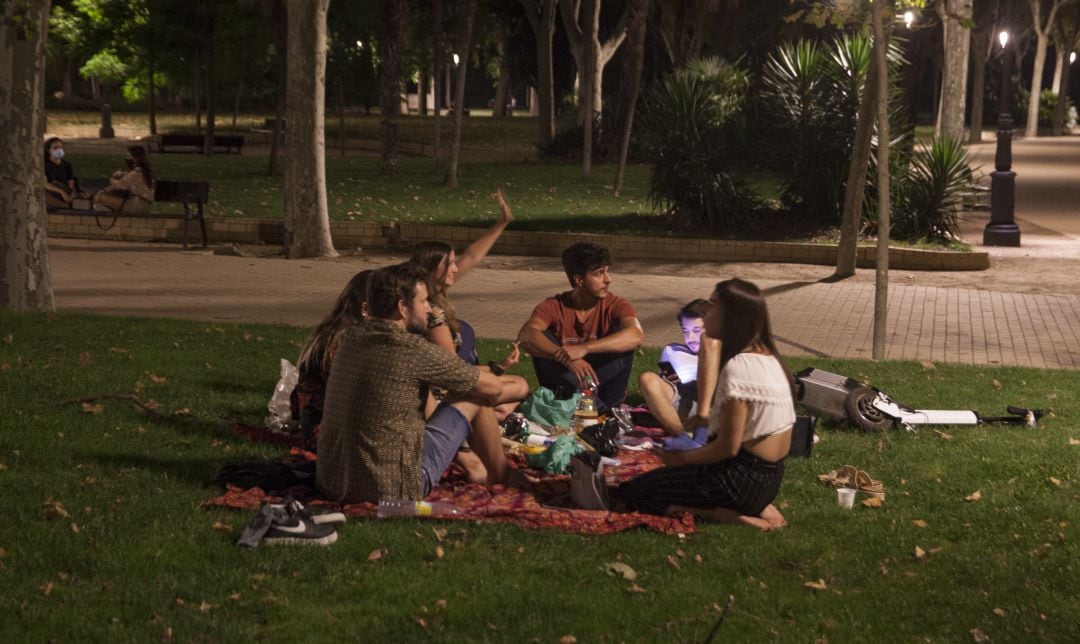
(392, 381)
(129, 191)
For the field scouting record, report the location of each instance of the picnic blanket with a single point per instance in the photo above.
(546, 506)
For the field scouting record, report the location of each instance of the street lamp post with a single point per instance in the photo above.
(1002, 229)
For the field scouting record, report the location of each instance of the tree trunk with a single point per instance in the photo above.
(26, 279)
(1060, 61)
(281, 45)
(1059, 110)
(211, 82)
(588, 38)
(341, 116)
(855, 188)
(151, 96)
(1032, 129)
(307, 224)
(464, 45)
(502, 86)
(589, 85)
(541, 15)
(956, 37)
(437, 79)
(636, 23)
(421, 91)
(881, 277)
(390, 103)
(980, 43)
(236, 105)
(198, 91)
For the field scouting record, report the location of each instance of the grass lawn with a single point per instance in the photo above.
(138, 559)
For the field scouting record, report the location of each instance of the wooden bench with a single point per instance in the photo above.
(192, 195)
(222, 143)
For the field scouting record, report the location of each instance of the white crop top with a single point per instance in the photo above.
(761, 382)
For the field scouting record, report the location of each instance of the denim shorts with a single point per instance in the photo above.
(445, 433)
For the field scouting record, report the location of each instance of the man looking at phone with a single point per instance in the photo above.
(677, 394)
(587, 331)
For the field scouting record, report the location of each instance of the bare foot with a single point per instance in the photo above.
(773, 516)
(724, 515)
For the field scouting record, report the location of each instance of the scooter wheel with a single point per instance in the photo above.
(860, 409)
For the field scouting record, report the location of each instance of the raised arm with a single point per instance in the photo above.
(478, 250)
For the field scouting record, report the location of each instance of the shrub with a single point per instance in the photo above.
(929, 195)
(688, 125)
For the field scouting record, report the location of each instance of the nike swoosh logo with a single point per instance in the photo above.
(299, 528)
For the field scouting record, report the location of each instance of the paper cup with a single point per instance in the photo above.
(845, 497)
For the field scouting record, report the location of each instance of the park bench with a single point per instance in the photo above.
(192, 195)
(267, 130)
(226, 143)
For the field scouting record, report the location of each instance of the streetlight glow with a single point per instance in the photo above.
(457, 59)
(1072, 58)
(359, 44)
(909, 18)
(1003, 38)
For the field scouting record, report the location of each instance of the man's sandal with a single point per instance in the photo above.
(868, 486)
(843, 476)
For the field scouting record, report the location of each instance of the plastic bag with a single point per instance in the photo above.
(543, 407)
(555, 459)
(280, 418)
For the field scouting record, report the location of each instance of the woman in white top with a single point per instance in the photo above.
(736, 475)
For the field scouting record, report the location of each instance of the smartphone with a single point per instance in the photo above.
(667, 372)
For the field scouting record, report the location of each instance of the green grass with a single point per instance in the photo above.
(139, 560)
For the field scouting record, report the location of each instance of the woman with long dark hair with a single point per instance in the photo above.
(130, 191)
(318, 354)
(61, 185)
(736, 475)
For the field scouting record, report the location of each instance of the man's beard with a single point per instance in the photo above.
(416, 326)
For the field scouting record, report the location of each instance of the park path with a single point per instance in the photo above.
(815, 318)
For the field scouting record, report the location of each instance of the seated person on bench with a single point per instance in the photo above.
(61, 185)
(672, 395)
(129, 192)
(587, 331)
(374, 443)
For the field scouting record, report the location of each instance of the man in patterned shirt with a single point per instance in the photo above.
(374, 443)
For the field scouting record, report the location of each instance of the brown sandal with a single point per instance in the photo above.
(868, 486)
(843, 476)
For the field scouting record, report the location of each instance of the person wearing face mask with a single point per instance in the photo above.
(131, 191)
(61, 185)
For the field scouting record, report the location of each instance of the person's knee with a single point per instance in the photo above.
(649, 383)
(467, 408)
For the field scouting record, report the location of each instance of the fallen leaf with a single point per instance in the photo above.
(816, 585)
(681, 553)
(8, 339)
(919, 552)
(183, 411)
(926, 364)
(671, 561)
(440, 533)
(999, 612)
(156, 378)
(152, 404)
(979, 635)
(698, 559)
(117, 350)
(919, 523)
(439, 552)
(567, 639)
(421, 622)
(47, 587)
(92, 408)
(376, 555)
(621, 569)
(74, 528)
(1055, 482)
(873, 502)
(53, 510)
(440, 603)
(222, 527)
(997, 385)
(634, 589)
(942, 435)
(85, 359)
(974, 496)
(1041, 551)
(1074, 441)
(204, 607)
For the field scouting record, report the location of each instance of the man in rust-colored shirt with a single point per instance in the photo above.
(374, 443)
(587, 331)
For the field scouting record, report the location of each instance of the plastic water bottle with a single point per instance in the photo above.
(585, 414)
(389, 508)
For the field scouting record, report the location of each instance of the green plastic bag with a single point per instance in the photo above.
(542, 407)
(556, 458)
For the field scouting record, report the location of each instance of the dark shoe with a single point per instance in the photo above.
(588, 489)
(318, 515)
(298, 528)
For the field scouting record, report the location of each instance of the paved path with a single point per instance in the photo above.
(925, 323)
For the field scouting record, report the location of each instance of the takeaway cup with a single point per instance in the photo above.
(845, 497)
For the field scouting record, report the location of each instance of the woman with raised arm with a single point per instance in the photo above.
(444, 268)
(736, 475)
